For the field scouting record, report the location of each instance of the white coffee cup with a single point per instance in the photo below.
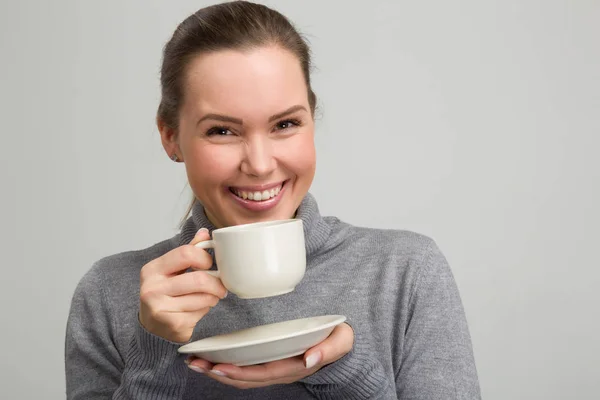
(261, 259)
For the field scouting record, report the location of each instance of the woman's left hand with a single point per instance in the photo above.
(289, 370)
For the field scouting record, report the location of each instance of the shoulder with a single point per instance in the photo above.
(402, 244)
(120, 272)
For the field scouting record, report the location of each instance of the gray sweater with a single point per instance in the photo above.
(395, 287)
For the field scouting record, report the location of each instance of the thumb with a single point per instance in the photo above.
(200, 236)
(338, 344)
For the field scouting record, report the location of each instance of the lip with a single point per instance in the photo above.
(259, 205)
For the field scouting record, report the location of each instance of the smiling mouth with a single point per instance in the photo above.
(257, 196)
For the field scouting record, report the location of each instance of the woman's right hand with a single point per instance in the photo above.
(171, 301)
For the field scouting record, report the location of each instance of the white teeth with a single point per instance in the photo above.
(258, 196)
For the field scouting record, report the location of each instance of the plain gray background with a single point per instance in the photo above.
(474, 122)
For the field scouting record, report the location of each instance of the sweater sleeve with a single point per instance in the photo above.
(95, 369)
(356, 376)
(437, 360)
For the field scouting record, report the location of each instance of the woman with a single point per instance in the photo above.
(237, 110)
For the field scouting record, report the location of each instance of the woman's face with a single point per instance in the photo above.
(246, 135)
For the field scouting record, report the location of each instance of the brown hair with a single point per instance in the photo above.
(235, 25)
(239, 25)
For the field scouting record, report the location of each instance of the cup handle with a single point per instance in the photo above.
(208, 244)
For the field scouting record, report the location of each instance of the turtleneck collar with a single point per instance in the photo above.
(316, 230)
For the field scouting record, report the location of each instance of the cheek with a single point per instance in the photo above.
(299, 155)
(212, 163)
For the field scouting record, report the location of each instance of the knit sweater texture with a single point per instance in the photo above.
(395, 288)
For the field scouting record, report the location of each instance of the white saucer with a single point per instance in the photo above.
(264, 343)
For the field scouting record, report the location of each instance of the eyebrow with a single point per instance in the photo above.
(238, 121)
(290, 110)
(219, 117)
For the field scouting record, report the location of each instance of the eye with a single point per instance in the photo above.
(219, 131)
(286, 124)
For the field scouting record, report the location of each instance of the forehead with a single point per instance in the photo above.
(250, 83)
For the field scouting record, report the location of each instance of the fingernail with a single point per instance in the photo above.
(202, 230)
(226, 293)
(197, 369)
(218, 373)
(312, 360)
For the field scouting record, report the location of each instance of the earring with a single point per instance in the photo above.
(174, 157)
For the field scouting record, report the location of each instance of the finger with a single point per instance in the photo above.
(200, 236)
(203, 365)
(178, 260)
(197, 366)
(334, 347)
(154, 298)
(193, 282)
(231, 382)
(268, 372)
(190, 302)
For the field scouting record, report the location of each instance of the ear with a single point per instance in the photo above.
(169, 139)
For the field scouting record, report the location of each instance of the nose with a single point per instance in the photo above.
(259, 160)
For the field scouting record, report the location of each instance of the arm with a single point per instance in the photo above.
(95, 369)
(437, 360)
